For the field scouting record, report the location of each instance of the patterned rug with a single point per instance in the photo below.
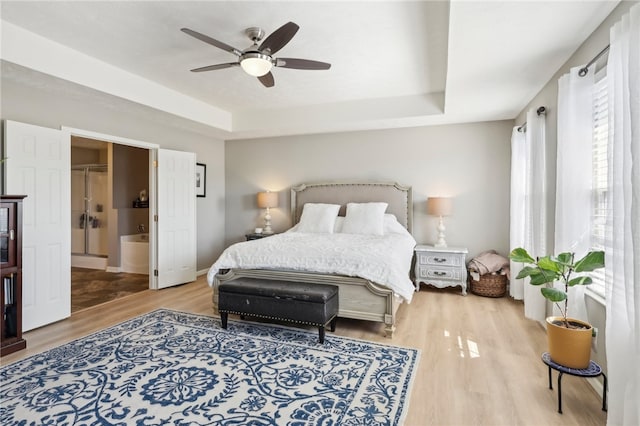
(169, 367)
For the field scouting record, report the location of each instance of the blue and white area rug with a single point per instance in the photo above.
(169, 367)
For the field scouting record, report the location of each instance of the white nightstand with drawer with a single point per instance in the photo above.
(441, 267)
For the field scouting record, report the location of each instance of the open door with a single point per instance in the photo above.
(38, 165)
(176, 222)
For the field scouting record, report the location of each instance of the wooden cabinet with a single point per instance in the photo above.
(11, 272)
(441, 267)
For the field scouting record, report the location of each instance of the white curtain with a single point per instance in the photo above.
(574, 175)
(529, 207)
(518, 215)
(623, 261)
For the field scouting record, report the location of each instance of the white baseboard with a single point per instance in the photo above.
(115, 269)
(596, 384)
(89, 262)
(202, 272)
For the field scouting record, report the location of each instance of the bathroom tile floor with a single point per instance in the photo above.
(91, 287)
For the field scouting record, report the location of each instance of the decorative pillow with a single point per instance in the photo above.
(364, 218)
(392, 226)
(318, 218)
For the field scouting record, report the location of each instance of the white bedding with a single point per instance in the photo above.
(384, 259)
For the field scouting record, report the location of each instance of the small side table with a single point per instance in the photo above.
(593, 370)
(441, 267)
(254, 236)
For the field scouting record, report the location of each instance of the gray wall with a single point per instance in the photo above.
(548, 97)
(470, 162)
(130, 172)
(47, 107)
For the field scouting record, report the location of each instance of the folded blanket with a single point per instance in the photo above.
(488, 262)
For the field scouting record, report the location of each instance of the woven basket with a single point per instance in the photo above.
(489, 285)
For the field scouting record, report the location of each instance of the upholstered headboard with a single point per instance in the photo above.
(397, 196)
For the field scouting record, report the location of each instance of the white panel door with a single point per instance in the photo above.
(38, 165)
(176, 217)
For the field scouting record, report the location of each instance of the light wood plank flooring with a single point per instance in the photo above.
(480, 362)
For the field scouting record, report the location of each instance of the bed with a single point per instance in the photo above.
(363, 298)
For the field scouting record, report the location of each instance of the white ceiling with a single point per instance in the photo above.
(394, 63)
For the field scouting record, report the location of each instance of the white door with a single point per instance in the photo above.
(38, 165)
(176, 217)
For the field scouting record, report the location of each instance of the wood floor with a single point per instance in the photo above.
(480, 359)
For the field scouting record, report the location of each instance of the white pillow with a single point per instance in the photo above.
(318, 218)
(337, 227)
(392, 226)
(364, 218)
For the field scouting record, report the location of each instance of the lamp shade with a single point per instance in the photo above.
(267, 199)
(439, 206)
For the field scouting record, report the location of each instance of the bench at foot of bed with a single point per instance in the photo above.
(302, 303)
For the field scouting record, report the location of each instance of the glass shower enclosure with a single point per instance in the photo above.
(89, 185)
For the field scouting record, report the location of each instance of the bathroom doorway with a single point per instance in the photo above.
(105, 185)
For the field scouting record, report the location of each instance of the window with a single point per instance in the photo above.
(600, 177)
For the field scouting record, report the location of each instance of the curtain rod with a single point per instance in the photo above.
(539, 111)
(585, 70)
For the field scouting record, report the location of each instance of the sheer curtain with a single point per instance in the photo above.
(623, 262)
(529, 207)
(518, 222)
(574, 174)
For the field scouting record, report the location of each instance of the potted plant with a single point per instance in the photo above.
(569, 338)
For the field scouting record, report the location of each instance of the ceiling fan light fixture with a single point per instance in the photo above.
(256, 64)
(258, 60)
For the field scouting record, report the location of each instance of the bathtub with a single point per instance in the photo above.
(134, 253)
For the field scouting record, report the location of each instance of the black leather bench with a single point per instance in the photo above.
(302, 303)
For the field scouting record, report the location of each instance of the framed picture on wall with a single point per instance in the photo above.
(201, 180)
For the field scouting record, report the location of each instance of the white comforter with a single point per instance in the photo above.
(385, 260)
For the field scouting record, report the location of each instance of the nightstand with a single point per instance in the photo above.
(254, 236)
(441, 267)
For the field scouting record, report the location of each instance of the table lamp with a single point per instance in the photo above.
(440, 206)
(267, 200)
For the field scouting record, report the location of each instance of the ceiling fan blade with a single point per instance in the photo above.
(215, 67)
(267, 80)
(302, 64)
(212, 41)
(279, 38)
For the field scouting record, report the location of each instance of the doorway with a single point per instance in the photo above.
(105, 208)
(41, 169)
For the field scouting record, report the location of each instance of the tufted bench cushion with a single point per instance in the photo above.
(303, 303)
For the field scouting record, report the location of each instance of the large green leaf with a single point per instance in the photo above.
(527, 271)
(541, 276)
(537, 276)
(549, 264)
(592, 261)
(580, 281)
(553, 294)
(565, 259)
(520, 255)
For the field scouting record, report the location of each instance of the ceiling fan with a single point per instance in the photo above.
(257, 60)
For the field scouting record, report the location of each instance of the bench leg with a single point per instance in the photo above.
(560, 392)
(333, 323)
(224, 316)
(604, 393)
(321, 334)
